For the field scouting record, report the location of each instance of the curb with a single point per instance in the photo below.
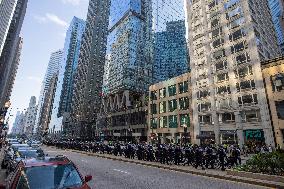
(205, 174)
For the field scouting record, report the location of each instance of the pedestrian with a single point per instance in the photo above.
(222, 155)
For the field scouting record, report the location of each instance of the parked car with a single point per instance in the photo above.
(23, 153)
(58, 172)
(9, 153)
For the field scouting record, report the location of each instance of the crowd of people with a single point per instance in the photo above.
(205, 156)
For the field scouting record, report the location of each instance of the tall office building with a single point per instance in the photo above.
(12, 45)
(67, 70)
(169, 38)
(86, 100)
(18, 126)
(228, 41)
(30, 116)
(52, 68)
(277, 10)
(7, 10)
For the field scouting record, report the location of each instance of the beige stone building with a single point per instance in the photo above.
(273, 74)
(169, 110)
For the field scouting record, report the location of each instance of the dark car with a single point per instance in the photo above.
(47, 173)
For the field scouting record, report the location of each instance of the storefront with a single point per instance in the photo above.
(206, 137)
(254, 137)
(228, 137)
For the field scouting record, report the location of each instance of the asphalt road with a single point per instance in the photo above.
(109, 174)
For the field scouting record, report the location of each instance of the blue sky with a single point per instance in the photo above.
(44, 29)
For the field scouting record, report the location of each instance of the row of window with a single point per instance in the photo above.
(170, 121)
(172, 91)
(172, 105)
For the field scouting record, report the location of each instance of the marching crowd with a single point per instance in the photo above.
(206, 156)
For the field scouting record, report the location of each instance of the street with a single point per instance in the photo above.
(109, 174)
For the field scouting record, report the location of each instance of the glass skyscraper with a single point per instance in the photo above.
(169, 38)
(67, 69)
(276, 7)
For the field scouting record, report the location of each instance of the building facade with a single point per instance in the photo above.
(86, 100)
(273, 75)
(18, 126)
(67, 69)
(52, 68)
(169, 110)
(169, 39)
(7, 10)
(30, 117)
(228, 40)
(277, 10)
(10, 51)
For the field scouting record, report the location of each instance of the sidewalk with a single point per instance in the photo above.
(189, 169)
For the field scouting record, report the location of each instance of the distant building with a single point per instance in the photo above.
(12, 13)
(67, 70)
(30, 117)
(52, 68)
(18, 126)
(273, 74)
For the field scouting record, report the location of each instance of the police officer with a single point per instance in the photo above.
(222, 155)
(199, 157)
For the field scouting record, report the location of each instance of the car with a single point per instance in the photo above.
(15, 147)
(9, 153)
(46, 173)
(23, 153)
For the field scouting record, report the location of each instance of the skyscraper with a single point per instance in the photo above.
(86, 100)
(52, 68)
(277, 10)
(7, 10)
(169, 38)
(67, 70)
(30, 116)
(11, 44)
(228, 40)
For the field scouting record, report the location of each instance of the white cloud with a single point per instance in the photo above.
(72, 2)
(52, 18)
(35, 79)
(55, 19)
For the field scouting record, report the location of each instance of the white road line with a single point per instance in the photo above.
(84, 161)
(121, 171)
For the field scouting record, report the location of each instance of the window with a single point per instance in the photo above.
(204, 106)
(163, 122)
(237, 35)
(215, 33)
(243, 72)
(183, 87)
(172, 105)
(173, 121)
(184, 103)
(245, 85)
(280, 109)
(243, 58)
(184, 120)
(162, 92)
(247, 99)
(154, 123)
(218, 54)
(223, 103)
(227, 117)
(217, 43)
(153, 108)
(222, 77)
(236, 23)
(223, 90)
(251, 116)
(221, 65)
(214, 22)
(172, 90)
(153, 95)
(205, 119)
(234, 13)
(239, 47)
(203, 94)
(277, 82)
(163, 107)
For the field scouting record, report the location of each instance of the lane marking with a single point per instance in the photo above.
(121, 171)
